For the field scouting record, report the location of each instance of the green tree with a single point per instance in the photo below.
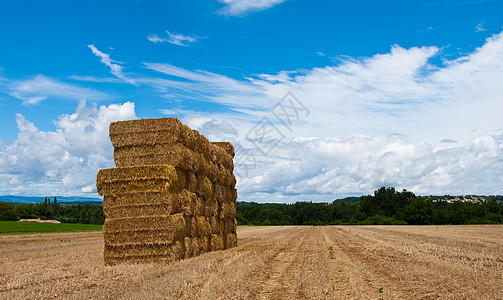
(419, 212)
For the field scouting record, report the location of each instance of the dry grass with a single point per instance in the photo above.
(407, 262)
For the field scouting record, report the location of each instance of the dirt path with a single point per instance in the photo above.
(332, 262)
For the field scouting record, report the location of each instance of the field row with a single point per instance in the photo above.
(331, 262)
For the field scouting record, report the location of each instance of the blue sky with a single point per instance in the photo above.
(399, 93)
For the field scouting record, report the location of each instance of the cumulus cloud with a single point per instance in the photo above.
(115, 68)
(388, 119)
(241, 7)
(328, 167)
(175, 39)
(480, 27)
(433, 129)
(395, 91)
(64, 161)
(39, 88)
(214, 129)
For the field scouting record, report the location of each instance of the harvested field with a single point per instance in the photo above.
(331, 262)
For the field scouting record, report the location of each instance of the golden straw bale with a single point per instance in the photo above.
(224, 194)
(182, 159)
(160, 154)
(171, 196)
(182, 178)
(143, 236)
(228, 147)
(167, 172)
(226, 178)
(201, 202)
(204, 187)
(229, 225)
(228, 210)
(196, 246)
(146, 125)
(217, 225)
(204, 226)
(217, 242)
(210, 209)
(142, 204)
(190, 206)
(135, 186)
(139, 179)
(205, 243)
(231, 240)
(192, 227)
(175, 222)
(189, 248)
(143, 253)
(124, 211)
(145, 198)
(157, 154)
(165, 131)
(134, 132)
(191, 181)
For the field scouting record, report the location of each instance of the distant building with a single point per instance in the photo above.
(40, 221)
(469, 198)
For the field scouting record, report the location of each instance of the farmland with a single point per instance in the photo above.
(290, 262)
(11, 227)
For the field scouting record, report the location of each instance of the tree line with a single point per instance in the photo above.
(80, 213)
(385, 207)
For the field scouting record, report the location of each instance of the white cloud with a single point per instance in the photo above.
(115, 68)
(388, 119)
(35, 90)
(480, 27)
(241, 7)
(395, 91)
(64, 161)
(328, 168)
(448, 118)
(206, 86)
(175, 39)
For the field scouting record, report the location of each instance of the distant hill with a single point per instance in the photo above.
(61, 199)
(349, 200)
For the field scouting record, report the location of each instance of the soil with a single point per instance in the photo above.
(286, 262)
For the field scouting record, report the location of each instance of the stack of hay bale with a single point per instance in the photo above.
(171, 196)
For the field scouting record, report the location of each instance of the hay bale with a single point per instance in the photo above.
(217, 242)
(167, 131)
(229, 225)
(188, 247)
(231, 240)
(174, 222)
(204, 188)
(180, 157)
(210, 209)
(142, 204)
(228, 210)
(139, 179)
(216, 225)
(143, 253)
(205, 242)
(223, 194)
(228, 147)
(226, 178)
(140, 237)
(125, 211)
(190, 206)
(171, 196)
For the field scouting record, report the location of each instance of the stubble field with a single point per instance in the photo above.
(331, 262)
